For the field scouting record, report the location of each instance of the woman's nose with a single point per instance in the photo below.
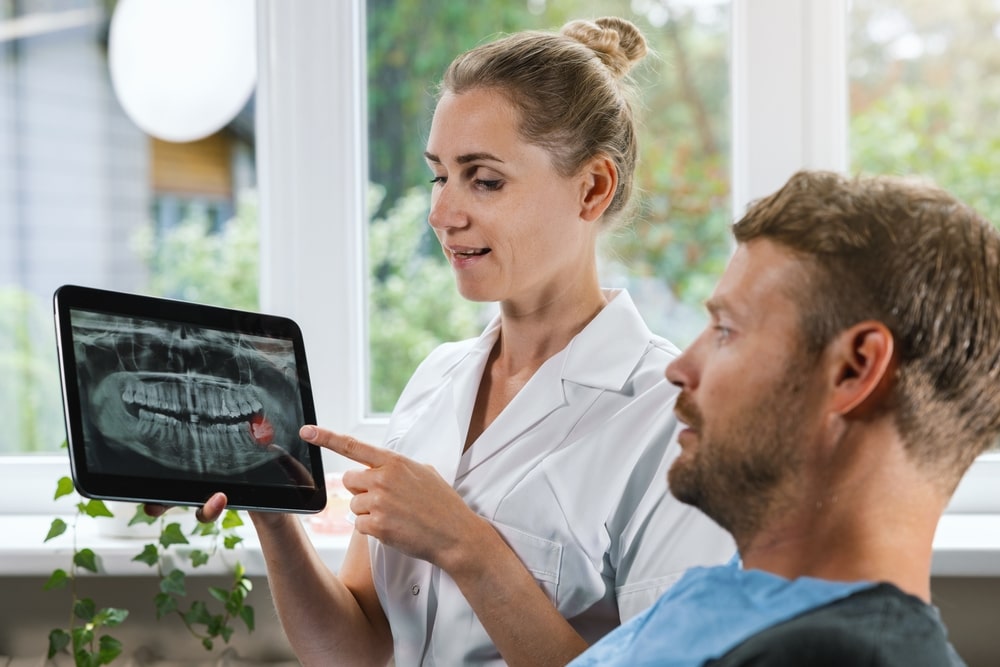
(446, 209)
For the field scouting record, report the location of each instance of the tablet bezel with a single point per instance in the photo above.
(306, 497)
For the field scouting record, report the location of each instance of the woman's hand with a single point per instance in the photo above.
(402, 503)
(207, 513)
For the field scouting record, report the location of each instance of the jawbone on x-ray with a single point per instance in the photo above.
(190, 399)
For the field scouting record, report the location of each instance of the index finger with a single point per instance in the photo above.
(344, 445)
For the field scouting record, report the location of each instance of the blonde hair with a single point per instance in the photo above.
(572, 91)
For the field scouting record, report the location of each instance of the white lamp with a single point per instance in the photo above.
(182, 69)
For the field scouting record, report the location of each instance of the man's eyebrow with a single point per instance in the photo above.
(713, 305)
(464, 159)
(716, 305)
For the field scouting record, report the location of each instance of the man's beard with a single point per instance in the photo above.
(736, 474)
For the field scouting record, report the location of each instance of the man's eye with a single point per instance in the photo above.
(722, 333)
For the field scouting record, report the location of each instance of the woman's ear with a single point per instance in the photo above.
(599, 184)
(864, 361)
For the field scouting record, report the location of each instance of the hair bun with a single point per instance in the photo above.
(616, 41)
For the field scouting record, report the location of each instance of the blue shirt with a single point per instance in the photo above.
(708, 612)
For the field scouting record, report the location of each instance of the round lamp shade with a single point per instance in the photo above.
(182, 69)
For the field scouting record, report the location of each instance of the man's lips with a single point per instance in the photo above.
(688, 415)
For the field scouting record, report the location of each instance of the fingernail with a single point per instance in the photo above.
(307, 432)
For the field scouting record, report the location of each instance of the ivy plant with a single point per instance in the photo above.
(86, 635)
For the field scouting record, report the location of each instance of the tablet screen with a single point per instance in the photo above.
(168, 402)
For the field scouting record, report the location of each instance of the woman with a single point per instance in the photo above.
(518, 511)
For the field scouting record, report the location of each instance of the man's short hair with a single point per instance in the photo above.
(911, 256)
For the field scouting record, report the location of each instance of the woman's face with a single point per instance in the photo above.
(510, 225)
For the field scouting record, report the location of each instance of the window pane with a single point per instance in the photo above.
(87, 197)
(671, 255)
(925, 90)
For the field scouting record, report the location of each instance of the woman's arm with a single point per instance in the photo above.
(408, 506)
(328, 618)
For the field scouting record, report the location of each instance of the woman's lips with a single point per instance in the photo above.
(464, 255)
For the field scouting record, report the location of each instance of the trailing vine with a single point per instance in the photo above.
(86, 634)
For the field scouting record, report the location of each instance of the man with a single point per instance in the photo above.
(848, 378)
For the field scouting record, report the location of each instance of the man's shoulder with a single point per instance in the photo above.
(879, 626)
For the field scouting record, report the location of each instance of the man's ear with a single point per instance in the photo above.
(865, 368)
(600, 182)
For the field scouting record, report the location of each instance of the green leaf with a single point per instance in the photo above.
(84, 609)
(173, 583)
(165, 604)
(150, 555)
(58, 640)
(231, 541)
(231, 519)
(227, 632)
(58, 579)
(198, 558)
(82, 637)
(140, 517)
(172, 534)
(97, 508)
(111, 617)
(57, 528)
(205, 529)
(86, 559)
(64, 487)
(220, 594)
(109, 648)
(207, 643)
(247, 614)
(198, 614)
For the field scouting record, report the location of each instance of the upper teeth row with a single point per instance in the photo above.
(195, 398)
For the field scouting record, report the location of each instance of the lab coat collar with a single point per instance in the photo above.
(602, 355)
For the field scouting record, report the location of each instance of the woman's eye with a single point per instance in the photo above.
(489, 185)
(722, 333)
(438, 179)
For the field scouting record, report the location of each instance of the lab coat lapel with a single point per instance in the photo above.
(539, 398)
(600, 358)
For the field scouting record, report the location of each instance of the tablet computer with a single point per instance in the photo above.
(168, 402)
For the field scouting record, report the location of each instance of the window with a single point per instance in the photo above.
(924, 94)
(788, 109)
(88, 197)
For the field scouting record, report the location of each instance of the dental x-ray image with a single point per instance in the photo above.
(168, 401)
(192, 400)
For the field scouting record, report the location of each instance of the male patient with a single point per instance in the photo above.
(848, 378)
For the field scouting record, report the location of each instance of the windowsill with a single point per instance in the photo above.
(23, 552)
(966, 545)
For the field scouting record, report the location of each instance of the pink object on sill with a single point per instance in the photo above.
(333, 519)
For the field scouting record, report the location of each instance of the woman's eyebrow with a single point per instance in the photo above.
(465, 159)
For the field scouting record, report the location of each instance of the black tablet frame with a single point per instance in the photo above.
(136, 450)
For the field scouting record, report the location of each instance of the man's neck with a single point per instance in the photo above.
(872, 522)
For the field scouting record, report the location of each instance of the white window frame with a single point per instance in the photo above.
(789, 111)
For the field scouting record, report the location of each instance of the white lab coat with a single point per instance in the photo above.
(572, 474)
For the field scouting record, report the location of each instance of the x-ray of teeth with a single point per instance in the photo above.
(192, 400)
